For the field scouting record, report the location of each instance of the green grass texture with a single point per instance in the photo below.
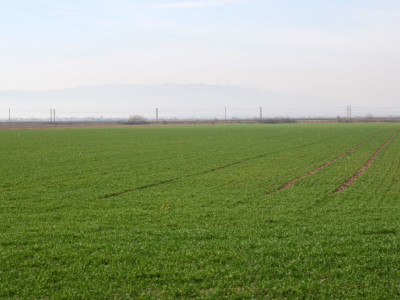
(191, 212)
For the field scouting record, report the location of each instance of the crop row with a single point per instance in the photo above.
(206, 231)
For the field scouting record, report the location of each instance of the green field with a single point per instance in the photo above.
(196, 211)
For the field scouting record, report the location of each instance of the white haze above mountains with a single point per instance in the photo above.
(180, 101)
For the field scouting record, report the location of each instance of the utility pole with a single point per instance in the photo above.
(260, 113)
(51, 115)
(350, 111)
(157, 115)
(225, 113)
(54, 115)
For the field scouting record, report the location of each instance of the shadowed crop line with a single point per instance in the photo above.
(116, 194)
(292, 182)
(176, 179)
(352, 180)
(140, 188)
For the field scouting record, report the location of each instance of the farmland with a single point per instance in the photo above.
(237, 211)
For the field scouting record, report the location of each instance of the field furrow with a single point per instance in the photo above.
(292, 182)
(365, 167)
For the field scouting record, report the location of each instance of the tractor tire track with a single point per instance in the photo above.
(352, 180)
(292, 182)
(116, 194)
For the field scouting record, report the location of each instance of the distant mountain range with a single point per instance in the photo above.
(201, 99)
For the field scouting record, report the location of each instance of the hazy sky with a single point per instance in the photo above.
(324, 48)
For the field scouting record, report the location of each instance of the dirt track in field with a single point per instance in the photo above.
(116, 194)
(292, 182)
(352, 180)
(285, 186)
